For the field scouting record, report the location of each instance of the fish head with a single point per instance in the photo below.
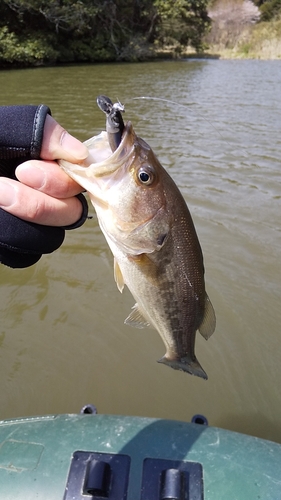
(127, 191)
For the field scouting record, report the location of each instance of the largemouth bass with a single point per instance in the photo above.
(150, 232)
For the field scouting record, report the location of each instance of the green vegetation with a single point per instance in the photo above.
(36, 32)
(244, 29)
(262, 41)
(269, 9)
(41, 32)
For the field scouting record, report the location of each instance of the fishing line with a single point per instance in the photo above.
(174, 103)
(169, 101)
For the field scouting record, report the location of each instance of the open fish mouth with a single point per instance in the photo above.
(101, 160)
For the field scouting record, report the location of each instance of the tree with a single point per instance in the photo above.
(182, 21)
(44, 31)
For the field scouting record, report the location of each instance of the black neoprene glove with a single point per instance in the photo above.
(22, 243)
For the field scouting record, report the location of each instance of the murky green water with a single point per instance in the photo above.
(62, 338)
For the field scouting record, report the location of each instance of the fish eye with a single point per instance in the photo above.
(145, 176)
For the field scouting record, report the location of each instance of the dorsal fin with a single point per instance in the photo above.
(208, 324)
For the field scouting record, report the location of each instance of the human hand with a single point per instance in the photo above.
(45, 194)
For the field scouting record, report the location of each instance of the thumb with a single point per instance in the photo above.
(58, 144)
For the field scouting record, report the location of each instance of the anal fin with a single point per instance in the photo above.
(136, 318)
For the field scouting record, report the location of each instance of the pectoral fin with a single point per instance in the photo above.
(136, 318)
(208, 324)
(118, 276)
(147, 267)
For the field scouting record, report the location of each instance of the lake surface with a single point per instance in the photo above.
(62, 339)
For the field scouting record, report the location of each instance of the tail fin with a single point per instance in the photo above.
(185, 364)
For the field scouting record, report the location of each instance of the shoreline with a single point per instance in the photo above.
(261, 41)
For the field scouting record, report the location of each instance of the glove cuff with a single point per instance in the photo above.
(21, 133)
